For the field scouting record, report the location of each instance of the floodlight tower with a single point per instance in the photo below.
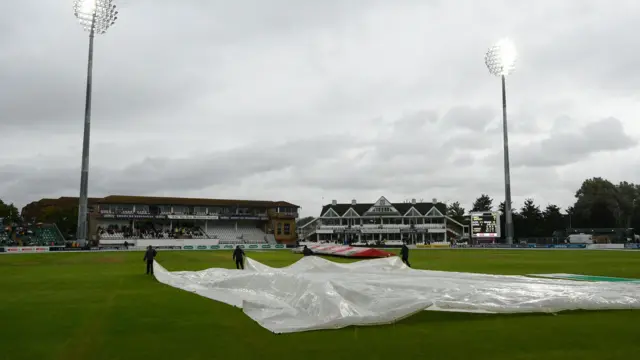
(96, 16)
(501, 61)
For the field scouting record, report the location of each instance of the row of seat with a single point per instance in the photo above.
(43, 236)
(243, 234)
(120, 235)
(388, 226)
(226, 235)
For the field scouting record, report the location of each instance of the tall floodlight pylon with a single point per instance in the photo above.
(501, 60)
(96, 16)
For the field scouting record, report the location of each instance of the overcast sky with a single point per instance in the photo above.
(309, 101)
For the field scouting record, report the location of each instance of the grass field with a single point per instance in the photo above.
(101, 306)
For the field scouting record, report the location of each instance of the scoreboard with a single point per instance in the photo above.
(485, 224)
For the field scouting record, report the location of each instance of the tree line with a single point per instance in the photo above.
(9, 214)
(599, 203)
(64, 216)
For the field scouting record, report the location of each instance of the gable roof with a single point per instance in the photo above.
(412, 211)
(382, 202)
(154, 200)
(330, 213)
(350, 213)
(434, 212)
(422, 207)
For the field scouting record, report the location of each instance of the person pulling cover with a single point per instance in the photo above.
(238, 256)
(404, 253)
(306, 251)
(149, 255)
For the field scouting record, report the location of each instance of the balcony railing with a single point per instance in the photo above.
(283, 214)
(382, 226)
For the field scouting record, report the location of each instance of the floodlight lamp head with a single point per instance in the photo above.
(501, 58)
(95, 15)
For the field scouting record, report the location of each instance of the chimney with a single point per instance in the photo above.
(334, 202)
(353, 202)
(434, 201)
(413, 201)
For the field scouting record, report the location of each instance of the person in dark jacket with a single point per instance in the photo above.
(238, 256)
(149, 255)
(306, 251)
(404, 253)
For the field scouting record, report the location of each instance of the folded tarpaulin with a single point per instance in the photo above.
(346, 251)
(315, 293)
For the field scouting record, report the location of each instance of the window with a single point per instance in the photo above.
(287, 229)
(124, 208)
(279, 227)
(180, 210)
(142, 208)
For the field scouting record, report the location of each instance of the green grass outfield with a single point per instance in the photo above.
(96, 306)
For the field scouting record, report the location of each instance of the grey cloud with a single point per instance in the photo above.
(463, 160)
(415, 120)
(563, 124)
(593, 50)
(195, 78)
(466, 117)
(471, 141)
(455, 181)
(151, 175)
(520, 122)
(568, 146)
(154, 59)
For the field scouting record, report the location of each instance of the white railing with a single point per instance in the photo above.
(381, 226)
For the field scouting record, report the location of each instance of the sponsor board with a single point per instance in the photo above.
(231, 247)
(632, 246)
(64, 248)
(577, 277)
(433, 246)
(41, 249)
(130, 216)
(500, 246)
(166, 247)
(242, 217)
(605, 246)
(506, 246)
(567, 246)
(26, 249)
(192, 217)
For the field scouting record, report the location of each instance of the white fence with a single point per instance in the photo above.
(60, 249)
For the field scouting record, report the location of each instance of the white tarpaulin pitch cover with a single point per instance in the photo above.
(315, 293)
